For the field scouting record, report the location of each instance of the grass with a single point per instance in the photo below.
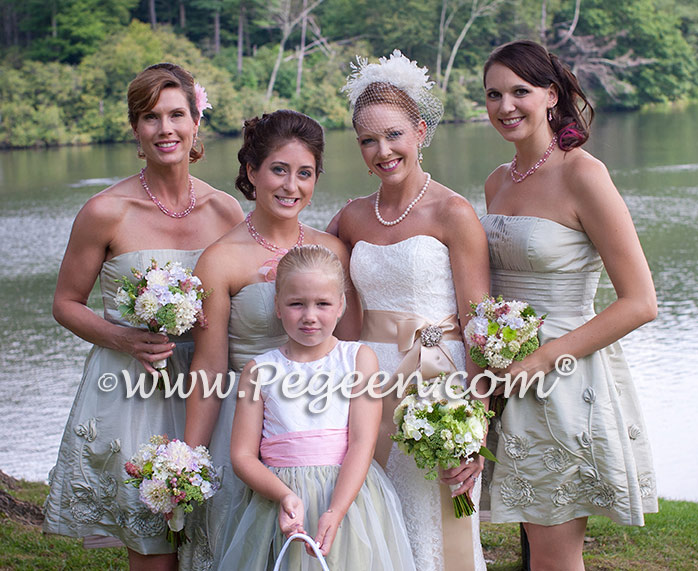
(669, 541)
(23, 547)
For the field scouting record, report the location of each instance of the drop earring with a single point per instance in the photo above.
(550, 114)
(420, 156)
(370, 172)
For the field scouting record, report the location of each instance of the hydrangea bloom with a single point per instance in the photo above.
(500, 332)
(170, 477)
(440, 429)
(165, 300)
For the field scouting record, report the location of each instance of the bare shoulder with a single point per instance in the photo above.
(231, 242)
(330, 241)
(223, 262)
(357, 207)
(586, 178)
(366, 354)
(456, 221)
(222, 201)
(495, 181)
(109, 205)
(453, 208)
(351, 217)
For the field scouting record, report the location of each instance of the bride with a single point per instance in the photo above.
(418, 249)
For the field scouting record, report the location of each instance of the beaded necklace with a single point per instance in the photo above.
(518, 177)
(268, 268)
(161, 206)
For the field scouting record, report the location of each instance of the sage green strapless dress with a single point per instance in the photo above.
(582, 450)
(87, 493)
(253, 328)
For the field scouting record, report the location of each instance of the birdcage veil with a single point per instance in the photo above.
(394, 81)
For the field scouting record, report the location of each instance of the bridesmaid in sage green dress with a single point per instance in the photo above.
(280, 160)
(554, 221)
(166, 215)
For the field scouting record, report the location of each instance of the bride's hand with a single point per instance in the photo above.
(144, 346)
(463, 476)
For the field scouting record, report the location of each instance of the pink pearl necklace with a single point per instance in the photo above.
(161, 206)
(518, 177)
(268, 245)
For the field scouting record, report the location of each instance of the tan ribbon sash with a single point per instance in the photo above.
(405, 330)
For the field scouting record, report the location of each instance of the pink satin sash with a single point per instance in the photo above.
(322, 447)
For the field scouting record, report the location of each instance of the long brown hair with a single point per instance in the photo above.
(573, 114)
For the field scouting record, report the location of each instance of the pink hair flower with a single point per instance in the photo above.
(201, 99)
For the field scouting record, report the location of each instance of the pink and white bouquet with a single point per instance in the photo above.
(501, 332)
(171, 476)
(440, 426)
(166, 300)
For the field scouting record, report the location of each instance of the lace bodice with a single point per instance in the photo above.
(413, 275)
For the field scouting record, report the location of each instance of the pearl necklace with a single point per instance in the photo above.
(161, 206)
(407, 210)
(518, 177)
(268, 245)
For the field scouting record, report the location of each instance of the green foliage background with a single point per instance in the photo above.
(65, 64)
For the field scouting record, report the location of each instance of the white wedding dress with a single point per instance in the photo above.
(414, 276)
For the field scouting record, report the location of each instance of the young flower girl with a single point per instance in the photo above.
(304, 410)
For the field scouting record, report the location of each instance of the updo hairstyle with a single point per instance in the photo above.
(262, 136)
(533, 63)
(311, 257)
(144, 92)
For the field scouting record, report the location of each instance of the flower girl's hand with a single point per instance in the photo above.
(327, 527)
(291, 515)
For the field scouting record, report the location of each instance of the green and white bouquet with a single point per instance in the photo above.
(440, 426)
(171, 476)
(501, 332)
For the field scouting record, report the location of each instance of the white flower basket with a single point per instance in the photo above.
(309, 540)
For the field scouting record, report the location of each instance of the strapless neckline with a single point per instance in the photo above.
(146, 250)
(542, 219)
(400, 242)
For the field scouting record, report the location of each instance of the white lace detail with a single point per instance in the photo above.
(413, 276)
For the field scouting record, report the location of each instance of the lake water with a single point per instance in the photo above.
(652, 158)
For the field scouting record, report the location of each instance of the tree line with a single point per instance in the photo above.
(65, 64)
